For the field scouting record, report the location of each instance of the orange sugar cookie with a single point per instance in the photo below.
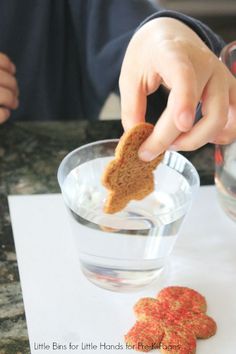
(171, 322)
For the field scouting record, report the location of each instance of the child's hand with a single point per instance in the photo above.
(166, 51)
(8, 88)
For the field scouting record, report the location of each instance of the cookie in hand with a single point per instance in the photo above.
(127, 177)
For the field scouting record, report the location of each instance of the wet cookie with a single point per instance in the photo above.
(127, 177)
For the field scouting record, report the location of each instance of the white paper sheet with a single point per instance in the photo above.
(62, 307)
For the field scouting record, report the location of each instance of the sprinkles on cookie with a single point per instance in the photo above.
(171, 322)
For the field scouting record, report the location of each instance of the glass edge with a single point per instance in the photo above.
(66, 157)
(194, 188)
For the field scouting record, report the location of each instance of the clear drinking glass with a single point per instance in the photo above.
(126, 250)
(225, 177)
(225, 155)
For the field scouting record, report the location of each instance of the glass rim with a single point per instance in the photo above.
(194, 187)
(115, 140)
(67, 156)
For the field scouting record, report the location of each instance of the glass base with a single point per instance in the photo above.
(121, 280)
(228, 204)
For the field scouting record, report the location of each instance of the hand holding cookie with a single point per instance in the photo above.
(167, 52)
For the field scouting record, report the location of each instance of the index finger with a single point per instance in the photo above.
(133, 103)
(164, 133)
(134, 89)
(178, 115)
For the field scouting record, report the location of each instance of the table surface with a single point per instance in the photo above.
(29, 156)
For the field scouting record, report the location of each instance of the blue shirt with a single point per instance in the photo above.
(68, 53)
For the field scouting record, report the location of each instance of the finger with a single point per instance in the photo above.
(8, 81)
(183, 98)
(133, 105)
(179, 114)
(4, 114)
(215, 111)
(8, 99)
(133, 93)
(164, 133)
(179, 75)
(6, 64)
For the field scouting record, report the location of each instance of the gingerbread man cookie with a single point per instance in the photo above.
(171, 322)
(127, 177)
